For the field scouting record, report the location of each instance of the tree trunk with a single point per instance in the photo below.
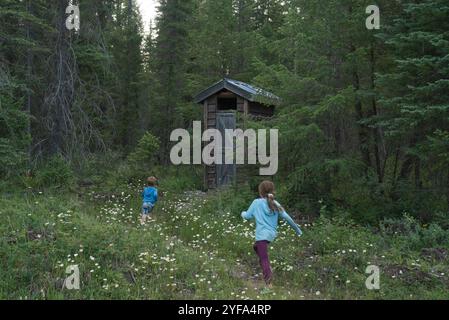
(62, 89)
(379, 144)
(406, 169)
(418, 181)
(29, 64)
(410, 160)
(240, 57)
(395, 170)
(363, 135)
(447, 191)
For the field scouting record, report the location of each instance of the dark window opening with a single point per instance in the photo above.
(227, 104)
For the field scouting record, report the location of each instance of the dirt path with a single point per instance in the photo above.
(250, 275)
(175, 214)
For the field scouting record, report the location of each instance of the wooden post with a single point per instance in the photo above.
(211, 123)
(204, 127)
(245, 112)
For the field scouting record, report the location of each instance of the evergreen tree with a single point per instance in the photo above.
(170, 52)
(415, 91)
(22, 55)
(126, 41)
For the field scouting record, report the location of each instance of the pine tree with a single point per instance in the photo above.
(126, 41)
(170, 52)
(21, 50)
(416, 92)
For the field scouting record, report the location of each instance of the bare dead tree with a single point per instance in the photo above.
(60, 96)
(71, 129)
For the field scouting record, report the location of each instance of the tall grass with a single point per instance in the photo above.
(200, 248)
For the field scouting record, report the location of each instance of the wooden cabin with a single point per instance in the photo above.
(226, 104)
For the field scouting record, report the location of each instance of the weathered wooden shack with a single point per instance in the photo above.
(226, 105)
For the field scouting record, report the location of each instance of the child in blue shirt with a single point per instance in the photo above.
(267, 211)
(149, 196)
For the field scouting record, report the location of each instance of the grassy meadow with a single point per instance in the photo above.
(198, 247)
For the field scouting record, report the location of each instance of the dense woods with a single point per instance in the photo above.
(364, 120)
(86, 116)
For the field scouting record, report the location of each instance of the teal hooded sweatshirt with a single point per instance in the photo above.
(267, 220)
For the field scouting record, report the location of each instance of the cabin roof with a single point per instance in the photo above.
(242, 89)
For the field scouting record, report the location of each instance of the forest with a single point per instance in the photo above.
(86, 116)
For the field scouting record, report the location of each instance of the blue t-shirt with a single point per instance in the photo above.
(149, 195)
(267, 220)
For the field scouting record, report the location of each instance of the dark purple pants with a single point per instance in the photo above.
(261, 248)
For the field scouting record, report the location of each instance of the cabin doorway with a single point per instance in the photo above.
(226, 173)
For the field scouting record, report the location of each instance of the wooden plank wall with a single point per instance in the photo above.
(240, 104)
(210, 122)
(245, 173)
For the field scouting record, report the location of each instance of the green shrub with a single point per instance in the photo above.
(98, 167)
(14, 136)
(406, 226)
(11, 158)
(410, 234)
(180, 178)
(146, 149)
(55, 172)
(433, 237)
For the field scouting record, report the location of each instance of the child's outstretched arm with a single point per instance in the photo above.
(248, 215)
(286, 217)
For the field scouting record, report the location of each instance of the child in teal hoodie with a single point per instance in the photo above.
(149, 198)
(267, 211)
